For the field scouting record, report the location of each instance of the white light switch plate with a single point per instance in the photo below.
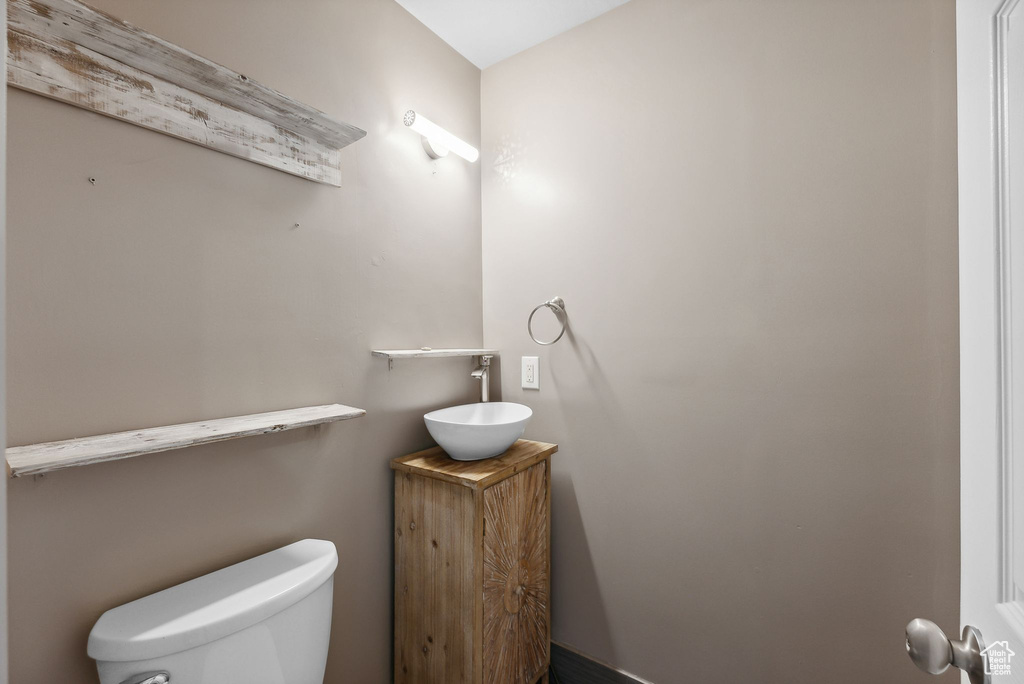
(531, 372)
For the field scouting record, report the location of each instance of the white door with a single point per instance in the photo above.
(3, 437)
(990, 86)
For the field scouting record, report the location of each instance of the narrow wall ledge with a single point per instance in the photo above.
(428, 353)
(36, 459)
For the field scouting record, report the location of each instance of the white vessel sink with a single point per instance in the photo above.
(472, 432)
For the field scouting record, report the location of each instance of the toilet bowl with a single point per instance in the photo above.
(266, 620)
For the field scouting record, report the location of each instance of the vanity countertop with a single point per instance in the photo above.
(435, 463)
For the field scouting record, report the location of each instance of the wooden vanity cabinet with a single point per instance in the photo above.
(472, 567)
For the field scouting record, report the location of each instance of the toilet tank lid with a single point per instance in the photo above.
(213, 606)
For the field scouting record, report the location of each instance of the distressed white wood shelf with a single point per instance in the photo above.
(430, 353)
(36, 459)
(68, 51)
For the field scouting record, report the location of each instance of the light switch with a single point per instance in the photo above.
(531, 372)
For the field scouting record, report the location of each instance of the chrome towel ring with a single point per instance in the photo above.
(557, 305)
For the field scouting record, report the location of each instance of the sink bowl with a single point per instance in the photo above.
(472, 432)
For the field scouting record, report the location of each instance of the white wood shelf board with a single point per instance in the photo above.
(68, 51)
(36, 459)
(393, 354)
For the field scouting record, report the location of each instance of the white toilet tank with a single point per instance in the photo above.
(266, 620)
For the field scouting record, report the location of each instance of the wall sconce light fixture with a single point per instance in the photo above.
(437, 141)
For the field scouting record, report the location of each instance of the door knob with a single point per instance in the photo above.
(932, 651)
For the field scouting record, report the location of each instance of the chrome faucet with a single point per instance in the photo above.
(483, 374)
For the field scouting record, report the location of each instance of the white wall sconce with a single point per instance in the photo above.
(438, 142)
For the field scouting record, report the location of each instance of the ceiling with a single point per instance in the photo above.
(488, 31)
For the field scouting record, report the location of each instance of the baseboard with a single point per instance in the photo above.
(572, 667)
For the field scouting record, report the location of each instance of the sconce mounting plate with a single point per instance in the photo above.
(434, 150)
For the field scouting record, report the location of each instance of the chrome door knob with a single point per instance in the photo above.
(932, 651)
(928, 646)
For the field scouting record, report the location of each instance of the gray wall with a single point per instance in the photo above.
(177, 288)
(750, 210)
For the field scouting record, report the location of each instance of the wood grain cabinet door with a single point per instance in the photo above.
(516, 578)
